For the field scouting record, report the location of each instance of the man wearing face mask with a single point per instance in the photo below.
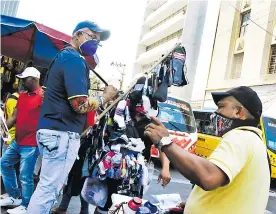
(64, 112)
(24, 150)
(236, 177)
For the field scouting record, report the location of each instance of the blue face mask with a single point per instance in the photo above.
(89, 47)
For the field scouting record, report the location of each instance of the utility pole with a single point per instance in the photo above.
(121, 69)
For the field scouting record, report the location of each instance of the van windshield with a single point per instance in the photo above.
(270, 132)
(177, 115)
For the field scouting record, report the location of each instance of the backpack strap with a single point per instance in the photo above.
(12, 96)
(268, 159)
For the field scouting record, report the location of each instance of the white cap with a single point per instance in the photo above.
(29, 72)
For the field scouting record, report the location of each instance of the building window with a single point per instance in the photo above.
(165, 39)
(245, 19)
(237, 66)
(182, 10)
(272, 64)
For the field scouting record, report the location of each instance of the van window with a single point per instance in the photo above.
(177, 115)
(203, 122)
(270, 132)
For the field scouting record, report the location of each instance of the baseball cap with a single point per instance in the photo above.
(29, 72)
(246, 96)
(104, 34)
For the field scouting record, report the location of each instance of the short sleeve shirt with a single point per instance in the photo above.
(10, 105)
(67, 78)
(28, 110)
(242, 156)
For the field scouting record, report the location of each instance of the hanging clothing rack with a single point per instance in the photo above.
(132, 85)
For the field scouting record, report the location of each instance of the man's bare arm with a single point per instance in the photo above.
(165, 175)
(12, 119)
(164, 161)
(198, 170)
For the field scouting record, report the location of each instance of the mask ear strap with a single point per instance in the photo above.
(216, 118)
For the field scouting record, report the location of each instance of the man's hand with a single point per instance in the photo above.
(182, 204)
(109, 94)
(165, 176)
(156, 130)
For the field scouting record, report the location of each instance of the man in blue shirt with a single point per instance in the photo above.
(64, 113)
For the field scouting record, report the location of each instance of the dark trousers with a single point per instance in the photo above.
(66, 200)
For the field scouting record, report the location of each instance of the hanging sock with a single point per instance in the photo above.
(148, 110)
(128, 118)
(136, 95)
(151, 83)
(123, 169)
(145, 88)
(136, 145)
(156, 70)
(161, 94)
(119, 116)
(161, 74)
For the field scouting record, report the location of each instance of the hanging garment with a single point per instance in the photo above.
(168, 71)
(161, 94)
(137, 92)
(161, 74)
(151, 90)
(177, 65)
(119, 116)
(156, 70)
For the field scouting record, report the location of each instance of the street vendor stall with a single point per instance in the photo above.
(26, 40)
(27, 43)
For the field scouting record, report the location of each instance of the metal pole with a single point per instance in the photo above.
(130, 88)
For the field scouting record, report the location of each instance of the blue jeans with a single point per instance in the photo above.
(59, 150)
(177, 66)
(27, 156)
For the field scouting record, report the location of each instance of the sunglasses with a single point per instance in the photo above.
(93, 37)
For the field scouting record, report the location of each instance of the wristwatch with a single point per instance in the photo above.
(165, 141)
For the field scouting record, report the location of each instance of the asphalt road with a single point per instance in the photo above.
(178, 185)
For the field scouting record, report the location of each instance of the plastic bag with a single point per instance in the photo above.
(148, 171)
(165, 202)
(95, 192)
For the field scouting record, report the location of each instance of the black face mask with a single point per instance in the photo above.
(222, 124)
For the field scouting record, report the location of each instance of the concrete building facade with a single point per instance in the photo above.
(169, 21)
(245, 50)
(228, 44)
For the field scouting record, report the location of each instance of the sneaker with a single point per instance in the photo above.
(18, 210)
(10, 201)
(4, 196)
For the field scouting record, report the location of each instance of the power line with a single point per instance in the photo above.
(262, 11)
(210, 99)
(254, 22)
(231, 29)
(272, 103)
